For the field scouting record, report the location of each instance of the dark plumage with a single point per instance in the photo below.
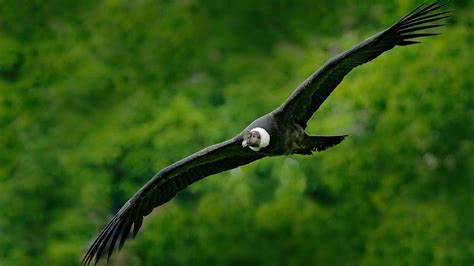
(283, 131)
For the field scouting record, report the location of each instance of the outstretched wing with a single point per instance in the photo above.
(307, 98)
(163, 187)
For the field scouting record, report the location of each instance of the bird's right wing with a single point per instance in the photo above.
(163, 187)
(307, 98)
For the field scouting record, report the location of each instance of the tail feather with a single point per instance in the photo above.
(321, 143)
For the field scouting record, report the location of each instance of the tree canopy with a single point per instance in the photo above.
(97, 96)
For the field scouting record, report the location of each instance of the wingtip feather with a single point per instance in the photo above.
(418, 20)
(406, 43)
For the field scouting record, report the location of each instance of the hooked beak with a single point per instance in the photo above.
(244, 143)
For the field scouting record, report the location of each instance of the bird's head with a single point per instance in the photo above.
(256, 139)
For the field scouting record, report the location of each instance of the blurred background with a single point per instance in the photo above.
(97, 96)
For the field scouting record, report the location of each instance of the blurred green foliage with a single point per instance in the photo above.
(95, 97)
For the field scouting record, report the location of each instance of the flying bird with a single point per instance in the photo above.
(280, 132)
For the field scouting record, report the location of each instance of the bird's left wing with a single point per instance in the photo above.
(163, 187)
(307, 98)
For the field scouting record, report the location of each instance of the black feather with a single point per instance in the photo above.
(116, 234)
(406, 43)
(125, 233)
(424, 21)
(407, 16)
(421, 28)
(137, 225)
(417, 35)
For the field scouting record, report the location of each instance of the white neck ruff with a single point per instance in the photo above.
(264, 138)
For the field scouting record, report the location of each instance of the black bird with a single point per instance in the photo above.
(280, 132)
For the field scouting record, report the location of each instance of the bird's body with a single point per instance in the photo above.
(287, 137)
(280, 132)
(284, 138)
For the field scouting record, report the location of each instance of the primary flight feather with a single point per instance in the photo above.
(279, 132)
